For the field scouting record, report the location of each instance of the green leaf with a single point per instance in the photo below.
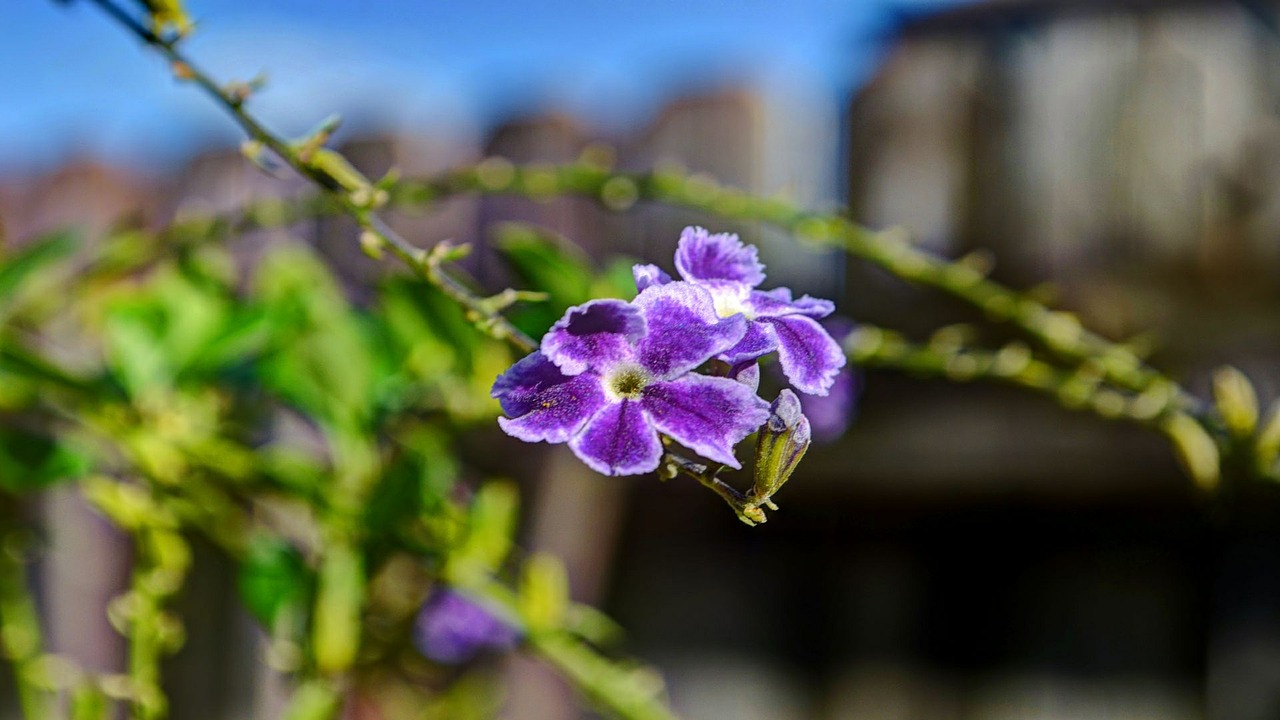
(490, 528)
(297, 469)
(314, 700)
(429, 353)
(18, 361)
(423, 346)
(135, 353)
(29, 461)
(549, 263)
(431, 327)
(394, 500)
(433, 453)
(273, 580)
(16, 269)
(544, 593)
(243, 336)
(322, 349)
(616, 281)
(546, 262)
(88, 702)
(127, 505)
(191, 316)
(339, 602)
(593, 626)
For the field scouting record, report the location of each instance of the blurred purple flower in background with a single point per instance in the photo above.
(452, 629)
(831, 415)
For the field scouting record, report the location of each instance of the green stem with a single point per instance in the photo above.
(1058, 331)
(1158, 407)
(1079, 389)
(747, 510)
(621, 692)
(20, 635)
(161, 561)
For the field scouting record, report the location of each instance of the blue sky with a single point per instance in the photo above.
(72, 83)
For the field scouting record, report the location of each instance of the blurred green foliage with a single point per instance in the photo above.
(313, 439)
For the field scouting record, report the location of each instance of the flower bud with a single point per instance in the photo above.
(1196, 449)
(1267, 446)
(780, 444)
(1236, 401)
(452, 629)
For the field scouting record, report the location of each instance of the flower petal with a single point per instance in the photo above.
(778, 303)
(810, 357)
(709, 415)
(813, 307)
(543, 403)
(746, 373)
(516, 389)
(684, 330)
(722, 256)
(647, 275)
(619, 441)
(597, 334)
(758, 341)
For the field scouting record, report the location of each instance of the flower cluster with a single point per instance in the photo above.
(451, 629)
(612, 377)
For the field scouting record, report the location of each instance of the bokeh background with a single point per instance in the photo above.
(962, 551)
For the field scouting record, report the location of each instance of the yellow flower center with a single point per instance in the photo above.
(729, 302)
(626, 382)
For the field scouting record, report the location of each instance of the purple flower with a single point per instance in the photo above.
(452, 629)
(731, 273)
(831, 414)
(611, 376)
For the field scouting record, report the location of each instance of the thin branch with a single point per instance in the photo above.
(359, 209)
(1060, 332)
(1014, 364)
(1158, 407)
(744, 507)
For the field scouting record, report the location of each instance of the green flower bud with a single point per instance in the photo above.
(1267, 446)
(1196, 450)
(1236, 401)
(780, 444)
